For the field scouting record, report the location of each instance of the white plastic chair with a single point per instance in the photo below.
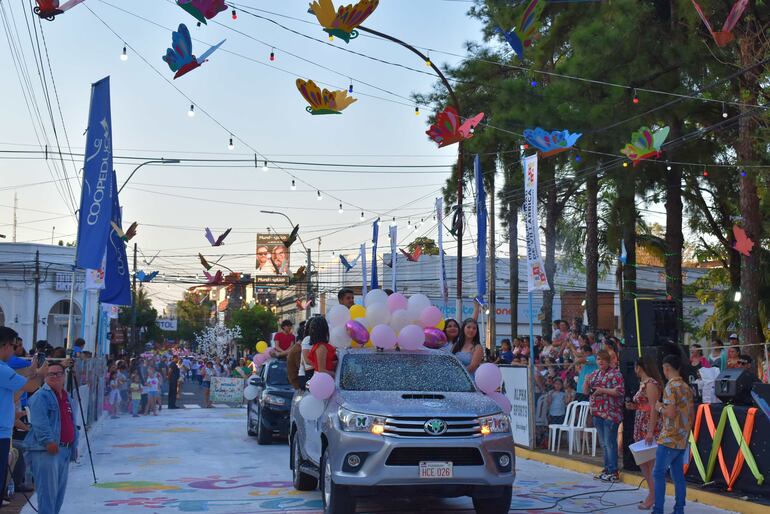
(541, 412)
(585, 430)
(555, 430)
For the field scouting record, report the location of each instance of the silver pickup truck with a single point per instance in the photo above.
(404, 424)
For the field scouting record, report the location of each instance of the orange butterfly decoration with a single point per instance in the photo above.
(743, 243)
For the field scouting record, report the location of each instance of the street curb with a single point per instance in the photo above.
(693, 494)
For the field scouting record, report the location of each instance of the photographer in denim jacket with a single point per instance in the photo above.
(52, 440)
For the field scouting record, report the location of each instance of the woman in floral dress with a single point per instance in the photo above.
(647, 422)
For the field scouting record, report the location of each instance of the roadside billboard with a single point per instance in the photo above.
(272, 260)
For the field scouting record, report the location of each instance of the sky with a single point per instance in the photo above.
(251, 99)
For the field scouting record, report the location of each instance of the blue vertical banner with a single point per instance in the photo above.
(117, 279)
(362, 256)
(96, 195)
(375, 237)
(393, 233)
(481, 228)
(442, 262)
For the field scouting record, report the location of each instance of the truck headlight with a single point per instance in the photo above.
(274, 400)
(496, 424)
(357, 422)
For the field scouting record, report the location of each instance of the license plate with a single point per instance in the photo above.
(430, 469)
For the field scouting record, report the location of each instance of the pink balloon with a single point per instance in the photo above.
(430, 316)
(260, 359)
(488, 378)
(434, 338)
(383, 337)
(321, 386)
(502, 401)
(411, 337)
(397, 301)
(357, 331)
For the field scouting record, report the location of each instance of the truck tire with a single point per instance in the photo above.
(301, 481)
(336, 499)
(495, 505)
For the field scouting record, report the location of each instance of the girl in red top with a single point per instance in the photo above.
(322, 355)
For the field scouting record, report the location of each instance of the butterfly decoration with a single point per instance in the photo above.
(447, 130)
(143, 277)
(149, 263)
(292, 237)
(388, 262)
(551, 143)
(645, 144)
(50, 9)
(349, 265)
(180, 57)
(218, 241)
(522, 34)
(324, 102)
(414, 256)
(304, 304)
(300, 273)
(202, 10)
(724, 36)
(129, 234)
(214, 279)
(344, 21)
(204, 262)
(743, 243)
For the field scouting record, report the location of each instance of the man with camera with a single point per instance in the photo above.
(11, 384)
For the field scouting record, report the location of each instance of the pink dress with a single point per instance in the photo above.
(643, 408)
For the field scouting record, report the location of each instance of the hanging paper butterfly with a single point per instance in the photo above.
(50, 9)
(180, 58)
(414, 256)
(645, 144)
(141, 276)
(324, 102)
(215, 279)
(522, 34)
(344, 21)
(129, 234)
(724, 36)
(447, 129)
(292, 237)
(743, 243)
(202, 10)
(349, 265)
(219, 241)
(551, 143)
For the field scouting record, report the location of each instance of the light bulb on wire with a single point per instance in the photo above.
(350, 87)
(668, 167)
(191, 112)
(265, 168)
(340, 209)
(724, 112)
(293, 185)
(230, 145)
(417, 111)
(636, 98)
(272, 54)
(319, 196)
(124, 55)
(234, 14)
(362, 215)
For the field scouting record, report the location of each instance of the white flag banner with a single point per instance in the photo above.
(536, 279)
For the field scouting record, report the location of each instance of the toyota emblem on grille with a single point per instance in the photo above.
(435, 426)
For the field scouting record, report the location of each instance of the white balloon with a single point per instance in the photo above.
(379, 314)
(399, 320)
(339, 338)
(337, 316)
(311, 407)
(250, 392)
(418, 302)
(374, 297)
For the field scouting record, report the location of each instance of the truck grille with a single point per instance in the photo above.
(413, 456)
(415, 427)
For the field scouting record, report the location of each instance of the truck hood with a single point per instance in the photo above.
(417, 404)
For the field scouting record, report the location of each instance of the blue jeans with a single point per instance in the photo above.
(50, 472)
(669, 459)
(135, 407)
(608, 436)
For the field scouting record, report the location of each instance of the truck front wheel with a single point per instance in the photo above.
(500, 504)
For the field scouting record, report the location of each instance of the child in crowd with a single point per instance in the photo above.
(114, 398)
(506, 355)
(136, 395)
(557, 403)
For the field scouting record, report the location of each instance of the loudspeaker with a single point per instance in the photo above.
(734, 386)
(656, 322)
(762, 392)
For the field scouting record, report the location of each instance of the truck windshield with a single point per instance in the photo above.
(403, 372)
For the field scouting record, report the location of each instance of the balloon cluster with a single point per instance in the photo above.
(386, 322)
(489, 380)
(250, 392)
(321, 387)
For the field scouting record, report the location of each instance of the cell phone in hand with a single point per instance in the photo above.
(40, 359)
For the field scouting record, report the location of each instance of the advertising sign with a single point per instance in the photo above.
(227, 390)
(168, 325)
(536, 279)
(516, 380)
(64, 282)
(272, 260)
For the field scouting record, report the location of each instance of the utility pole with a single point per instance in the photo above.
(309, 283)
(36, 277)
(15, 219)
(133, 306)
(492, 342)
(53, 231)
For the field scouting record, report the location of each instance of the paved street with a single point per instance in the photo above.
(201, 460)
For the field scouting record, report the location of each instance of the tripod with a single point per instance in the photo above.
(74, 381)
